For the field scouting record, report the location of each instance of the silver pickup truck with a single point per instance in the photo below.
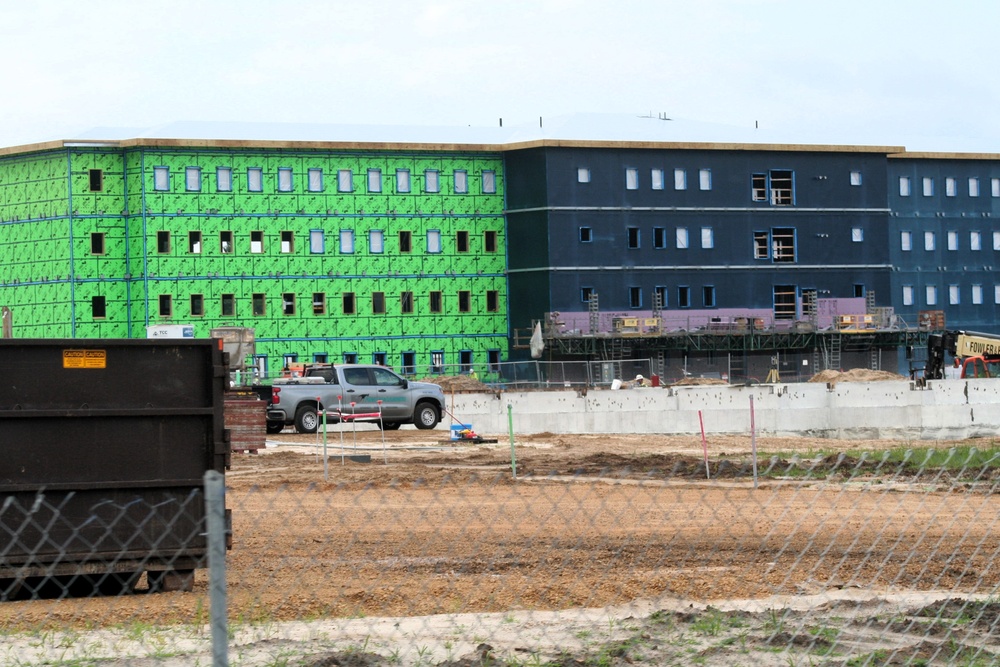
(352, 389)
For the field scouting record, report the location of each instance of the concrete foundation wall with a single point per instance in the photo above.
(946, 409)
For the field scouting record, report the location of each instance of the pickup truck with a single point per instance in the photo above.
(299, 400)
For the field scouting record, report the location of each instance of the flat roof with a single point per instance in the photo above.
(612, 131)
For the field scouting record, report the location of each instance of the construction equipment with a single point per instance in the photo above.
(979, 352)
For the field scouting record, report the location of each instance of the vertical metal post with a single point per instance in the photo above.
(510, 429)
(215, 519)
(753, 441)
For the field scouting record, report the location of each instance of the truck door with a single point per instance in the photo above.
(391, 390)
(366, 386)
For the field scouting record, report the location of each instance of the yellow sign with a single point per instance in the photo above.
(85, 359)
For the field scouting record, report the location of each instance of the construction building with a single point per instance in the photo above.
(732, 256)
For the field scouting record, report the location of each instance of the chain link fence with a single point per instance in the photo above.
(541, 550)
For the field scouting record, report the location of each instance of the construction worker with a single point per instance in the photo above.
(640, 381)
(954, 372)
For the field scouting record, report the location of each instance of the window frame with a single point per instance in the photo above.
(192, 177)
(257, 172)
(314, 179)
(345, 241)
(460, 181)
(286, 179)
(223, 183)
(488, 185)
(432, 181)
(345, 180)
(161, 178)
(165, 305)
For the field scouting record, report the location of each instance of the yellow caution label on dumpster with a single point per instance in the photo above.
(85, 359)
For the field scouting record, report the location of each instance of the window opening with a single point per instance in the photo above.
(707, 238)
(194, 242)
(197, 305)
(760, 245)
(192, 179)
(435, 302)
(635, 297)
(346, 241)
(462, 241)
(408, 363)
(345, 181)
(682, 238)
(223, 179)
(287, 241)
(402, 180)
(708, 296)
(405, 242)
(781, 188)
(631, 179)
(374, 180)
(431, 182)
(489, 182)
(284, 179)
(656, 179)
(317, 241)
(162, 242)
(288, 303)
(255, 179)
(406, 302)
(464, 301)
(319, 303)
(465, 360)
(492, 301)
(315, 178)
(256, 242)
(258, 304)
(98, 307)
(161, 178)
(759, 187)
(348, 303)
(493, 361)
(433, 240)
(166, 305)
(583, 175)
(225, 242)
(704, 179)
(461, 183)
(683, 296)
(489, 241)
(437, 361)
(228, 306)
(378, 303)
(783, 244)
(586, 235)
(97, 243)
(633, 237)
(96, 178)
(784, 302)
(376, 241)
(659, 237)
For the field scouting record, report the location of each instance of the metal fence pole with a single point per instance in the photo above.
(215, 515)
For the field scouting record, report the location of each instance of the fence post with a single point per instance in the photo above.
(215, 520)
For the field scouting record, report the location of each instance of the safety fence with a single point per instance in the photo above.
(545, 550)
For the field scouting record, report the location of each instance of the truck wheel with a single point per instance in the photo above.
(275, 427)
(306, 420)
(426, 416)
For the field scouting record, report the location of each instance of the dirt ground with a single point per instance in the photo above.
(428, 527)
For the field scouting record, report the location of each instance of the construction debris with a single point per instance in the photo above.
(698, 381)
(854, 375)
(458, 383)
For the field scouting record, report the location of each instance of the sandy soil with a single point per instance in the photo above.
(626, 523)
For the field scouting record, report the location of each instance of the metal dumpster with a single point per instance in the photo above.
(103, 448)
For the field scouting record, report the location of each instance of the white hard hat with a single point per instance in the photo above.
(638, 377)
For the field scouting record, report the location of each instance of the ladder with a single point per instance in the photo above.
(834, 361)
(594, 313)
(874, 360)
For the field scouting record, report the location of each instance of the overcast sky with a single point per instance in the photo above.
(875, 71)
